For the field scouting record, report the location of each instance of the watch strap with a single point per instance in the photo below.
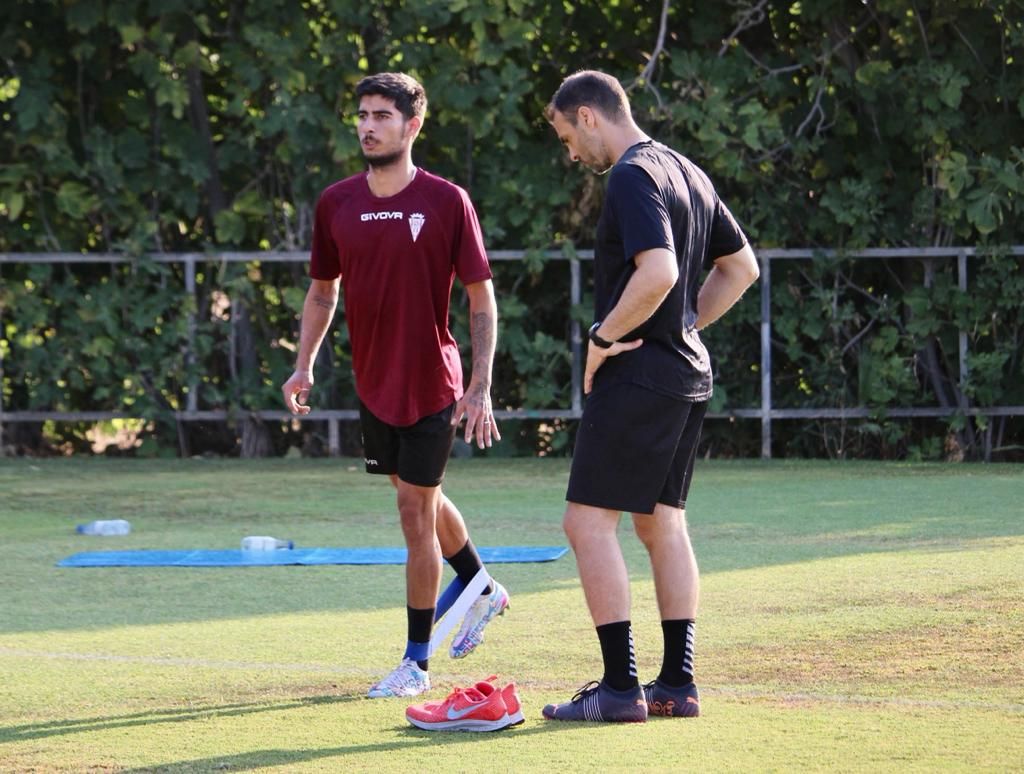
(592, 334)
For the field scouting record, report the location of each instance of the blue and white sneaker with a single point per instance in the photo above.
(597, 702)
(471, 633)
(406, 680)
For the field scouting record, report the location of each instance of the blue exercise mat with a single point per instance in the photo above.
(305, 556)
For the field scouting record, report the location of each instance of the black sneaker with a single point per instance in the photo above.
(682, 702)
(596, 701)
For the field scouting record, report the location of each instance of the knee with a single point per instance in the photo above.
(571, 528)
(586, 525)
(418, 520)
(645, 530)
(666, 526)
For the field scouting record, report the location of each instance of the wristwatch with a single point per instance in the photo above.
(602, 343)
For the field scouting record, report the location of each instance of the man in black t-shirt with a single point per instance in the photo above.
(648, 380)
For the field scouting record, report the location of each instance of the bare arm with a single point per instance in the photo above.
(483, 330)
(655, 276)
(725, 284)
(317, 313)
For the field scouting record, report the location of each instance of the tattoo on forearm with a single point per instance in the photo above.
(323, 303)
(481, 328)
(479, 397)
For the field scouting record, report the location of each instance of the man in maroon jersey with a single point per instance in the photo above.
(393, 238)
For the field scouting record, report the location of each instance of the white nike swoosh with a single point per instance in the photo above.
(454, 714)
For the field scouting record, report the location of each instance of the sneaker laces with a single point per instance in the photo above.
(476, 690)
(585, 691)
(472, 694)
(400, 677)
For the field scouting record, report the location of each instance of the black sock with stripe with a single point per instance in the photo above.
(677, 663)
(618, 654)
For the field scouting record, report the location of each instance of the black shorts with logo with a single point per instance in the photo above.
(417, 453)
(634, 448)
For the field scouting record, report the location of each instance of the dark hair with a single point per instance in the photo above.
(406, 92)
(593, 89)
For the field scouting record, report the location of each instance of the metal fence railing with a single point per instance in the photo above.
(766, 412)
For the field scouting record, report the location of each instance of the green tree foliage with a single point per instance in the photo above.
(144, 128)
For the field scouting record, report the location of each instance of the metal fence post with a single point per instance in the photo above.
(1, 393)
(766, 357)
(192, 401)
(575, 340)
(961, 276)
(333, 438)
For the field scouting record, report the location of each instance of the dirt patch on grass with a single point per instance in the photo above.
(970, 660)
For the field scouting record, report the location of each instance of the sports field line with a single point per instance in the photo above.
(721, 691)
(187, 662)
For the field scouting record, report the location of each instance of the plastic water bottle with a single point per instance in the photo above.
(265, 543)
(104, 527)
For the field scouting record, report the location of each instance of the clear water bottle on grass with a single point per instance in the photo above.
(265, 543)
(104, 527)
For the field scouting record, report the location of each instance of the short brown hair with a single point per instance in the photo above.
(593, 89)
(405, 91)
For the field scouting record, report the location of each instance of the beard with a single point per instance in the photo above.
(596, 158)
(384, 160)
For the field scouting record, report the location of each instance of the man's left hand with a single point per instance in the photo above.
(475, 405)
(596, 357)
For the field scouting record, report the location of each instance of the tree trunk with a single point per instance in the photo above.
(255, 438)
(947, 392)
(255, 435)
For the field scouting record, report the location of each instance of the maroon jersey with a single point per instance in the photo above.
(397, 258)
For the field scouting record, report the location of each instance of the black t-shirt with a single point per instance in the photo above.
(659, 198)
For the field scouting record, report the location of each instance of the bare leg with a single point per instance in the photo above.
(676, 578)
(451, 528)
(592, 534)
(418, 509)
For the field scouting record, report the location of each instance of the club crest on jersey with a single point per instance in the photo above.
(416, 221)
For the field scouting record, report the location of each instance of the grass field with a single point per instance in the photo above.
(855, 617)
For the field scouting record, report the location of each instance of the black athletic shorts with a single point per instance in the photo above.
(634, 448)
(417, 453)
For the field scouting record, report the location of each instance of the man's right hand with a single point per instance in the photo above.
(296, 392)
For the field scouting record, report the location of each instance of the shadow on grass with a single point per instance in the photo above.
(153, 717)
(412, 739)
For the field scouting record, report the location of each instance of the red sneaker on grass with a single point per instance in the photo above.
(512, 704)
(479, 708)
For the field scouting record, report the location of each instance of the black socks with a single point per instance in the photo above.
(420, 624)
(677, 663)
(467, 564)
(618, 654)
(620, 657)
